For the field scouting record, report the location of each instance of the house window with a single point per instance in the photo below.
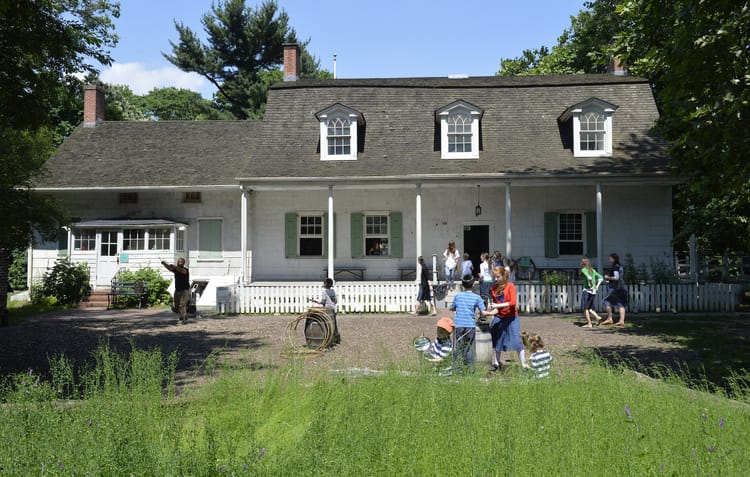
(179, 241)
(84, 240)
(62, 242)
(459, 130)
(128, 197)
(191, 197)
(158, 239)
(376, 235)
(570, 240)
(459, 134)
(592, 127)
(339, 137)
(133, 239)
(591, 136)
(339, 126)
(310, 235)
(209, 239)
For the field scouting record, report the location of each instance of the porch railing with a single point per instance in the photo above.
(399, 297)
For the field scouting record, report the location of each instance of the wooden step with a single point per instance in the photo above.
(97, 299)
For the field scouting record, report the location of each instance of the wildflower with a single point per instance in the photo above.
(704, 416)
(262, 452)
(90, 422)
(710, 448)
(721, 423)
(627, 412)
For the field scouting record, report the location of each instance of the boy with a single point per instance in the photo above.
(328, 300)
(465, 304)
(442, 345)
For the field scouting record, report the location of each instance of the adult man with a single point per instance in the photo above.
(181, 287)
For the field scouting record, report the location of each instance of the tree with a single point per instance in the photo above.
(696, 55)
(582, 48)
(43, 45)
(175, 104)
(244, 44)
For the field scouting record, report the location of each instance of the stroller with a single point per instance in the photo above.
(196, 290)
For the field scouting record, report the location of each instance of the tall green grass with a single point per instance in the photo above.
(122, 416)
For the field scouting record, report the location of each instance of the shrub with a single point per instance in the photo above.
(17, 269)
(66, 282)
(661, 271)
(156, 284)
(555, 278)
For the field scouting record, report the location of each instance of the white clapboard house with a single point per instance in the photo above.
(361, 176)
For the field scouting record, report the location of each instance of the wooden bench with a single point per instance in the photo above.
(127, 288)
(408, 273)
(356, 271)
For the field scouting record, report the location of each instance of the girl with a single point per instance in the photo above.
(424, 295)
(617, 295)
(485, 275)
(591, 281)
(540, 358)
(505, 328)
(451, 261)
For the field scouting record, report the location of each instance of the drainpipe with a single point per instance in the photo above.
(508, 233)
(418, 228)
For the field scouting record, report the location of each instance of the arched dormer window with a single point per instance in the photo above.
(339, 128)
(592, 127)
(459, 130)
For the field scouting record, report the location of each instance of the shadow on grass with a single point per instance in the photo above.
(76, 334)
(708, 351)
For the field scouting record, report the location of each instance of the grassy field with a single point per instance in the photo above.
(123, 416)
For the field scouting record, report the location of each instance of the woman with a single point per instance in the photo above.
(451, 261)
(591, 281)
(617, 295)
(505, 327)
(424, 297)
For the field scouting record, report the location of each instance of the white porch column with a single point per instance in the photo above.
(418, 228)
(508, 233)
(244, 268)
(330, 232)
(599, 226)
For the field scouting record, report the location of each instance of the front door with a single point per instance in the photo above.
(476, 242)
(107, 261)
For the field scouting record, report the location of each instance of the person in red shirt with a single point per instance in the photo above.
(505, 328)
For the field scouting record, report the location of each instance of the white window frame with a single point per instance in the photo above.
(301, 235)
(179, 240)
(210, 257)
(582, 217)
(160, 235)
(345, 115)
(87, 236)
(376, 235)
(576, 112)
(133, 236)
(446, 116)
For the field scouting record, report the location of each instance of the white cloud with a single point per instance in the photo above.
(141, 80)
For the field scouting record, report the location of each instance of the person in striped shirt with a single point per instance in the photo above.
(465, 304)
(442, 346)
(540, 358)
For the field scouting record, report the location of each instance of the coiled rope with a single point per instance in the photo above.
(323, 319)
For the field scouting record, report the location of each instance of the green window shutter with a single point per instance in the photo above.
(290, 234)
(209, 238)
(590, 234)
(397, 236)
(551, 235)
(325, 235)
(357, 238)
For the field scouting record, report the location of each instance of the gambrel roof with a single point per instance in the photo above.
(521, 135)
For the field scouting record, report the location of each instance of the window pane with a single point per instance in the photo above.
(85, 240)
(158, 239)
(311, 235)
(339, 137)
(133, 239)
(376, 235)
(571, 234)
(180, 241)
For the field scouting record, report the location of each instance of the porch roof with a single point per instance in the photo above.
(127, 223)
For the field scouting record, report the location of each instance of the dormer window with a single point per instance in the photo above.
(592, 127)
(339, 128)
(459, 130)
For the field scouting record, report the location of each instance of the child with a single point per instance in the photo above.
(465, 304)
(540, 359)
(467, 268)
(328, 300)
(591, 281)
(442, 345)
(505, 328)
(485, 275)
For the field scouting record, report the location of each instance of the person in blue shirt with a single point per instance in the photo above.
(465, 304)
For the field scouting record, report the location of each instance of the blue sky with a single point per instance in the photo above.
(372, 39)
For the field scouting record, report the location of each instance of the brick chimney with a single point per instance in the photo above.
(617, 67)
(291, 61)
(93, 105)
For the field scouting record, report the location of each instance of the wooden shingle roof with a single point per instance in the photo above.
(520, 135)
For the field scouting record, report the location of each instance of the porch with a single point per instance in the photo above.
(533, 297)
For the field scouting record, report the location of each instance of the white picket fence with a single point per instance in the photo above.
(399, 297)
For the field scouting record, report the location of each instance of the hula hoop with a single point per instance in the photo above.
(323, 320)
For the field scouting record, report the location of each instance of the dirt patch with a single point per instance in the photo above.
(367, 340)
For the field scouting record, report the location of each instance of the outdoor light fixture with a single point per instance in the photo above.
(478, 208)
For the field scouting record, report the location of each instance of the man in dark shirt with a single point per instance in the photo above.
(181, 287)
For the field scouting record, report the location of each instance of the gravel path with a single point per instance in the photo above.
(368, 340)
